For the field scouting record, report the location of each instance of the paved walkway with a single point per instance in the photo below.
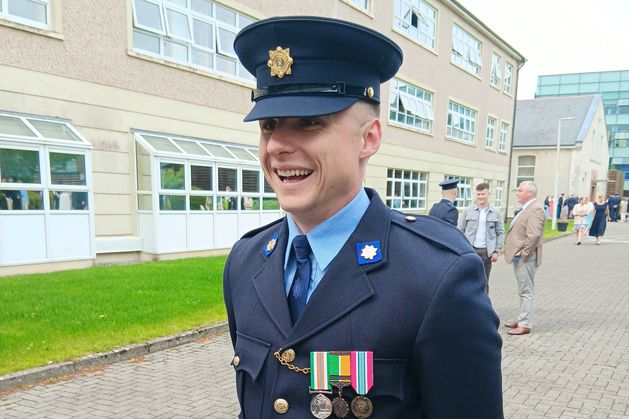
(575, 364)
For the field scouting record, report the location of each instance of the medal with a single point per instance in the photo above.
(339, 364)
(361, 365)
(320, 405)
(339, 405)
(362, 407)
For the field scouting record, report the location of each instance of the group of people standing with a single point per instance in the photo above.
(592, 217)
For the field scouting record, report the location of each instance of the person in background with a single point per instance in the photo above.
(623, 209)
(599, 222)
(483, 226)
(523, 249)
(571, 202)
(446, 208)
(559, 206)
(581, 212)
(613, 203)
(342, 275)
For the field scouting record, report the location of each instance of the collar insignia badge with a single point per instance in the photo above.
(270, 246)
(280, 62)
(368, 252)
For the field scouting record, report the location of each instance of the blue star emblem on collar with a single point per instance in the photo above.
(270, 246)
(368, 252)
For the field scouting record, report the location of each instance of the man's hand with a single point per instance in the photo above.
(494, 256)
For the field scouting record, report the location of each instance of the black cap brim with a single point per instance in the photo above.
(298, 106)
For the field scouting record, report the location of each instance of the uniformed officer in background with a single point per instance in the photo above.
(346, 308)
(445, 209)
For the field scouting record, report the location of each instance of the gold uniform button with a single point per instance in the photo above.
(236, 361)
(410, 218)
(288, 355)
(280, 406)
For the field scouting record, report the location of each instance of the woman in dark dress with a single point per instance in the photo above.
(599, 223)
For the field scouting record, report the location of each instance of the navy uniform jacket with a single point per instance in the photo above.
(445, 210)
(421, 309)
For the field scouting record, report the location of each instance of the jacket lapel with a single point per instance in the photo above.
(346, 284)
(269, 284)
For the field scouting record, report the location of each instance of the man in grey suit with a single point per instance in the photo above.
(483, 226)
(524, 250)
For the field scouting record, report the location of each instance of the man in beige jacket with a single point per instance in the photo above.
(524, 249)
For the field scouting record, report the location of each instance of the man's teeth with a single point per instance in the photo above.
(291, 173)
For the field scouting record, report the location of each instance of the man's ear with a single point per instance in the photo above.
(372, 138)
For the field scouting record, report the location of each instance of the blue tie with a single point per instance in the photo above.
(299, 289)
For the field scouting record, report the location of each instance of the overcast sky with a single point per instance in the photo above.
(559, 36)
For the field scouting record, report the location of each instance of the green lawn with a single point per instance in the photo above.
(63, 315)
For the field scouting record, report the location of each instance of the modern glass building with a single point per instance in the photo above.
(614, 87)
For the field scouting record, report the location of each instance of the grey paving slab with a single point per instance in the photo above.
(575, 364)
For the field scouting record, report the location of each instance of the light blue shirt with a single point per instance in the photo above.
(325, 240)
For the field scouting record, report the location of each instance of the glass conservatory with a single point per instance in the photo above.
(46, 212)
(195, 194)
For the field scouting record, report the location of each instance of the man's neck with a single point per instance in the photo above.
(483, 206)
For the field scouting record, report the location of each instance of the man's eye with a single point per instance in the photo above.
(268, 125)
(309, 122)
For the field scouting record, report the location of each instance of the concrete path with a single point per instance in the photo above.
(575, 364)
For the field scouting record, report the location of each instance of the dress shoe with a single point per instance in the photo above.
(511, 325)
(519, 331)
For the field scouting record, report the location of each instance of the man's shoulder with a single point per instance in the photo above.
(432, 229)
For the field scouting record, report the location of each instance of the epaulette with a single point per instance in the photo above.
(434, 229)
(252, 233)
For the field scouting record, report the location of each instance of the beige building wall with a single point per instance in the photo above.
(582, 168)
(84, 69)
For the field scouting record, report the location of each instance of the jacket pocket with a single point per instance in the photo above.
(252, 354)
(389, 376)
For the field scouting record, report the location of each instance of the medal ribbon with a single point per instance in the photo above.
(361, 371)
(339, 367)
(319, 371)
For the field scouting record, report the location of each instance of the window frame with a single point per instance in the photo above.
(464, 191)
(421, 183)
(397, 96)
(414, 7)
(490, 140)
(498, 193)
(519, 178)
(198, 55)
(462, 55)
(508, 80)
(503, 139)
(452, 131)
(495, 75)
(4, 14)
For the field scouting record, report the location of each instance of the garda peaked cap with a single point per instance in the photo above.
(309, 66)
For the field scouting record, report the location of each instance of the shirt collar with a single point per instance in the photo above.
(327, 238)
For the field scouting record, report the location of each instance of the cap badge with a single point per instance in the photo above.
(368, 252)
(280, 62)
(270, 246)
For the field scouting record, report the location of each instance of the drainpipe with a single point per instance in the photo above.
(515, 105)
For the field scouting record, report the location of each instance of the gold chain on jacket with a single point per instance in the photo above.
(289, 365)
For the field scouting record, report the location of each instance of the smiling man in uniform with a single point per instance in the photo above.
(346, 308)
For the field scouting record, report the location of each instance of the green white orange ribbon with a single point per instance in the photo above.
(319, 371)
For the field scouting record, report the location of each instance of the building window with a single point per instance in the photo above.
(504, 133)
(34, 13)
(406, 189)
(417, 19)
(464, 193)
(498, 190)
(410, 106)
(360, 4)
(461, 122)
(526, 169)
(491, 132)
(466, 50)
(200, 175)
(508, 76)
(496, 70)
(198, 33)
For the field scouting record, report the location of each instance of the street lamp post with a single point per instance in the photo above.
(556, 194)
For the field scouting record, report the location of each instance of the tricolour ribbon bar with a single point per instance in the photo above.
(319, 371)
(339, 367)
(361, 365)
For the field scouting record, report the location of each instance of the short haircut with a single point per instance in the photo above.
(482, 186)
(530, 186)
